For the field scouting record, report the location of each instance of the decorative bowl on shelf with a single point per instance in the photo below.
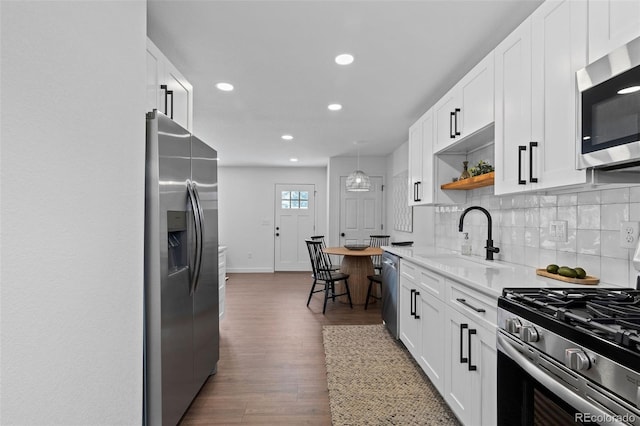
(356, 246)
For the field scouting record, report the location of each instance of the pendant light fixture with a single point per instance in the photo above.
(358, 181)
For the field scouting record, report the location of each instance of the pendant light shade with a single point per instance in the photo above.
(358, 181)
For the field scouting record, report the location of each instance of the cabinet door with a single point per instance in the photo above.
(432, 352)
(470, 371)
(487, 369)
(409, 324)
(154, 72)
(476, 97)
(426, 189)
(182, 101)
(462, 386)
(559, 49)
(612, 23)
(415, 163)
(445, 117)
(512, 109)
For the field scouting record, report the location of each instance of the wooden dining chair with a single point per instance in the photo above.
(322, 273)
(378, 241)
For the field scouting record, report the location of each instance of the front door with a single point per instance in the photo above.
(360, 212)
(294, 223)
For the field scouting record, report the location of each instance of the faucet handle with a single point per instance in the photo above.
(493, 249)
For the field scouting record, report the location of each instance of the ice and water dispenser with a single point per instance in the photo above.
(177, 235)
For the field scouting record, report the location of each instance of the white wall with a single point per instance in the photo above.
(72, 173)
(247, 211)
(423, 231)
(343, 166)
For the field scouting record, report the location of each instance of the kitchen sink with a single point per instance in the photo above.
(460, 261)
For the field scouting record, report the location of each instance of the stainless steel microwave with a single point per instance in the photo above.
(610, 95)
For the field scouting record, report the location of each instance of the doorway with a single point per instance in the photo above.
(361, 213)
(295, 220)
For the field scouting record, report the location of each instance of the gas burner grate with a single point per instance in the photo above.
(611, 314)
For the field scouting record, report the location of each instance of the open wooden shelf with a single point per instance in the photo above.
(474, 182)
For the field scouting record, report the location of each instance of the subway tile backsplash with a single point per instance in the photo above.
(521, 229)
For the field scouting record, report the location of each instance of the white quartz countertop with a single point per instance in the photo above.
(489, 277)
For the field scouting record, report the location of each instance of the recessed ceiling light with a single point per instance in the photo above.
(335, 107)
(628, 90)
(293, 160)
(287, 137)
(225, 87)
(344, 59)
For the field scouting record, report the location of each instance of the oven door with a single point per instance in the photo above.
(534, 389)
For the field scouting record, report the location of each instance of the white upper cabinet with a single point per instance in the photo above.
(559, 49)
(512, 106)
(467, 107)
(612, 23)
(536, 99)
(167, 89)
(421, 160)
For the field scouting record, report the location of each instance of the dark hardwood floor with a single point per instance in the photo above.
(272, 366)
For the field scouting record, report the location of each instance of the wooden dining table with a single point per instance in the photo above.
(358, 264)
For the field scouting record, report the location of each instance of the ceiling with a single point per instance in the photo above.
(279, 55)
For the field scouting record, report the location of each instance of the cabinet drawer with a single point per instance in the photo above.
(432, 283)
(473, 304)
(408, 271)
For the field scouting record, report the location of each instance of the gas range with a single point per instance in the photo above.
(582, 344)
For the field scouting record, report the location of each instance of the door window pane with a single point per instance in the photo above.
(295, 199)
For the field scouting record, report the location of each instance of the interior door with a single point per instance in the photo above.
(360, 212)
(294, 223)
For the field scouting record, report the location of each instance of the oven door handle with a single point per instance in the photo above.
(576, 401)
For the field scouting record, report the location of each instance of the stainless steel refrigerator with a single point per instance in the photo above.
(181, 269)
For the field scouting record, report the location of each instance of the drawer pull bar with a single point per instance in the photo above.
(467, 304)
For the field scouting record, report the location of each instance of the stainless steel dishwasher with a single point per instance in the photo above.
(390, 291)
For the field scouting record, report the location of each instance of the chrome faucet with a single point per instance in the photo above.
(490, 248)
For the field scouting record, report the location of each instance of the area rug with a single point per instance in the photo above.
(373, 380)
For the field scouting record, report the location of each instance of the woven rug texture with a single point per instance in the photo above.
(373, 380)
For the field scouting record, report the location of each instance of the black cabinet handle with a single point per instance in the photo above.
(167, 93)
(414, 191)
(417, 191)
(277, 234)
(471, 367)
(457, 133)
(413, 311)
(531, 146)
(451, 135)
(342, 234)
(462, 328)
(465, 303)
(415, 304)
(520, 180)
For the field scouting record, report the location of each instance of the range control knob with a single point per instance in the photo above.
(512, 325)
(576, 359)
(529, 334)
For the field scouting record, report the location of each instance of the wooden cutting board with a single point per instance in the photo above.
(588, 280)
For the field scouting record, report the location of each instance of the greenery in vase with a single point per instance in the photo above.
(481, 168)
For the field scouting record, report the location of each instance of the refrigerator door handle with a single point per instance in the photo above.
(197, 223)
(201, 218)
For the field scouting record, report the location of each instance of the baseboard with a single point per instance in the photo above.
(249, 270)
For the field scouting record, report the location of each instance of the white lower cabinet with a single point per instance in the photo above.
(470, 371)
(450, 331)
(409, 320)
(432, 334)
(222, 280)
